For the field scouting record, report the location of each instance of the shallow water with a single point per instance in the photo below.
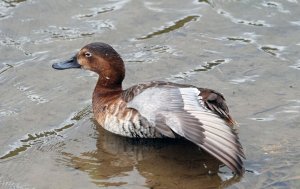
(248, 50)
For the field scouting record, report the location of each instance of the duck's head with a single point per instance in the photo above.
(100, 58)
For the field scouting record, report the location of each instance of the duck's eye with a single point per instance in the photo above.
(87, 54)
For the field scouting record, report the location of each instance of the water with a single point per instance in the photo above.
(248, 50)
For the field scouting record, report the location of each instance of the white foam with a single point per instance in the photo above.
(31, 94)
(293, 1)
(296, 65)
(263, 119)
(7, 183)
(244, 79)
(296, 23)
(275, 5)
(6, 113)
(206, 67)
(240, 21)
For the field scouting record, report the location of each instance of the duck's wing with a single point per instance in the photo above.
(184, 112)
(215, 102)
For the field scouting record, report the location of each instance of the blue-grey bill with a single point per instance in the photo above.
(71, 63)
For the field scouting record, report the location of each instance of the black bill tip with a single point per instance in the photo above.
(71, 63)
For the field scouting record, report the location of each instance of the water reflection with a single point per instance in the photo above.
(174, 26)
(5, 68)
(272, 49)
(239, 39)
(12, 3)
(260, 23)
(202, 68)
(32, 139)
(120, 161)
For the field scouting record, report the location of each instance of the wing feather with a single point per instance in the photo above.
(182, 110)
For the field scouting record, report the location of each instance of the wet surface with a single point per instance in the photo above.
(248, 50)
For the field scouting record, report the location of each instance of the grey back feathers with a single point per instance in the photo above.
(181, 111)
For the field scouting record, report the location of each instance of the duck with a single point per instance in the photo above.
(158, 109)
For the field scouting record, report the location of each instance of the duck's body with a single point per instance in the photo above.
(158, 109)
(112, 112)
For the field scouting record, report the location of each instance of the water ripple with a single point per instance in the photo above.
(206, 67)
(267, 118)
(240, 39)
(56, 32)
(9, 183)
(278, 6)
(172, 26)
(272, 49)
(296, 66)
(6, 7)
(289, 110)
(37, 138)
(95, 11)
(31, 94)
(6, 113)
(5, 68)
(245, 22)
(16, 43)
(12, 3)
(149, 53)
(244, 79)
(296, 23)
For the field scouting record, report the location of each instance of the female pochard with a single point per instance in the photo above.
(158, 109)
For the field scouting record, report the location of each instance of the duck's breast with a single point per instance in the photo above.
(117, 118)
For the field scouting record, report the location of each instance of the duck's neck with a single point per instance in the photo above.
(103, 95)
(111, 75)
(106, 86)
(109, 84)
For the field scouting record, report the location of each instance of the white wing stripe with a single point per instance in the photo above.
(218, 136)
(185, 113)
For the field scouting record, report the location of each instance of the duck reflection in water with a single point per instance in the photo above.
(153, 163)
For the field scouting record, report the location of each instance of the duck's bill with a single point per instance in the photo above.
(71, 63)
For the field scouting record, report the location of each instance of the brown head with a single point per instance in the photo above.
(100, 58)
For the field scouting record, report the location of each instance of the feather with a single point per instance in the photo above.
(182, 110)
